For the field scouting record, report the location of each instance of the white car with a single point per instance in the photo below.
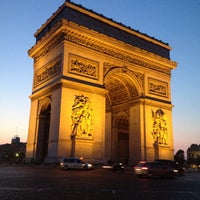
(75, 163)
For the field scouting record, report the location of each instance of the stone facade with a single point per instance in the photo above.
(193, 155)
(101, 91)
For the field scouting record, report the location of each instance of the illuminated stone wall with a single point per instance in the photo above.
(95, 96)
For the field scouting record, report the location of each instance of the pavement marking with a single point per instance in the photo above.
(114, 191)
(24, 189)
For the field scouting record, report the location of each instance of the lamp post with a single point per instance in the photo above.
(16, 157)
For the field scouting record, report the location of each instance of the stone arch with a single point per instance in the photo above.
(44, 114)
(87, 57)
(121, 125)
(121, 120)
(43, 104)
(122, 85)
(123, 88)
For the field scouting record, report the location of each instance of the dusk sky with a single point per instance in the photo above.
(175, 22)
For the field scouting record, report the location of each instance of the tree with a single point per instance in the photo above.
(180, 157)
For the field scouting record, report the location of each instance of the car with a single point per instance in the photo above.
(75, 163)
(181, 170)
(154, 169)
(118, 166)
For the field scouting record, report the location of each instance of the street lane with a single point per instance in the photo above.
(41, 182)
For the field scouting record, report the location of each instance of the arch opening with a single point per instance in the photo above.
(43, 134)
(122, 146)
(121, 91)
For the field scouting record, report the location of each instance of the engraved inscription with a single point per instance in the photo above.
(158, 87)
(83, 66)
(47, 72)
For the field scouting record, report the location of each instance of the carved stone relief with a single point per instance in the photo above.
(159, 127)
(82, 117)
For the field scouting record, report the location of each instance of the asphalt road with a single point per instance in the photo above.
(41, 183)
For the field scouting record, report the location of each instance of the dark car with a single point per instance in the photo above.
(154, 169)
(118, 166)
(173, 164)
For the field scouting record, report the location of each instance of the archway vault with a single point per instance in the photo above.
(122, 86)
(44, 103)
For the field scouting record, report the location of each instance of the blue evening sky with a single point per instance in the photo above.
(173, 21)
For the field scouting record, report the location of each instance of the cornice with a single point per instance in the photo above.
(68, 31)
(102, 18)
(155, 102)
(44, 91)
(116, 24)
(77, 85)
(48, 42)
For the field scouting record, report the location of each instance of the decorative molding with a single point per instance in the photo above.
(140, 78)
(113, 51)
(83, 66)
(157, 87)
(107, 67)
(139, 75)
(50, 44)
(96, 45)
(47, 72)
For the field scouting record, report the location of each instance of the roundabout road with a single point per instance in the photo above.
(41, 183)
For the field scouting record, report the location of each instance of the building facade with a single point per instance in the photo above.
(101, 91)
(193, 155)
(13, 152)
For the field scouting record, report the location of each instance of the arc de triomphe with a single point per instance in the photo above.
(101, 91)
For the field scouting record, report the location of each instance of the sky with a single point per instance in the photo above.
(175, 22)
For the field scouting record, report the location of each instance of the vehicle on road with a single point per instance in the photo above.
(171, 163)
(75, 163)
(118, 166)
(154, 169)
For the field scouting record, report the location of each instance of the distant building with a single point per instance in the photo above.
(193, 155)
(15, 140)
(14, 152)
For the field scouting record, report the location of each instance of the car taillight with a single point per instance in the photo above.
(175, 170)
(144, 168)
